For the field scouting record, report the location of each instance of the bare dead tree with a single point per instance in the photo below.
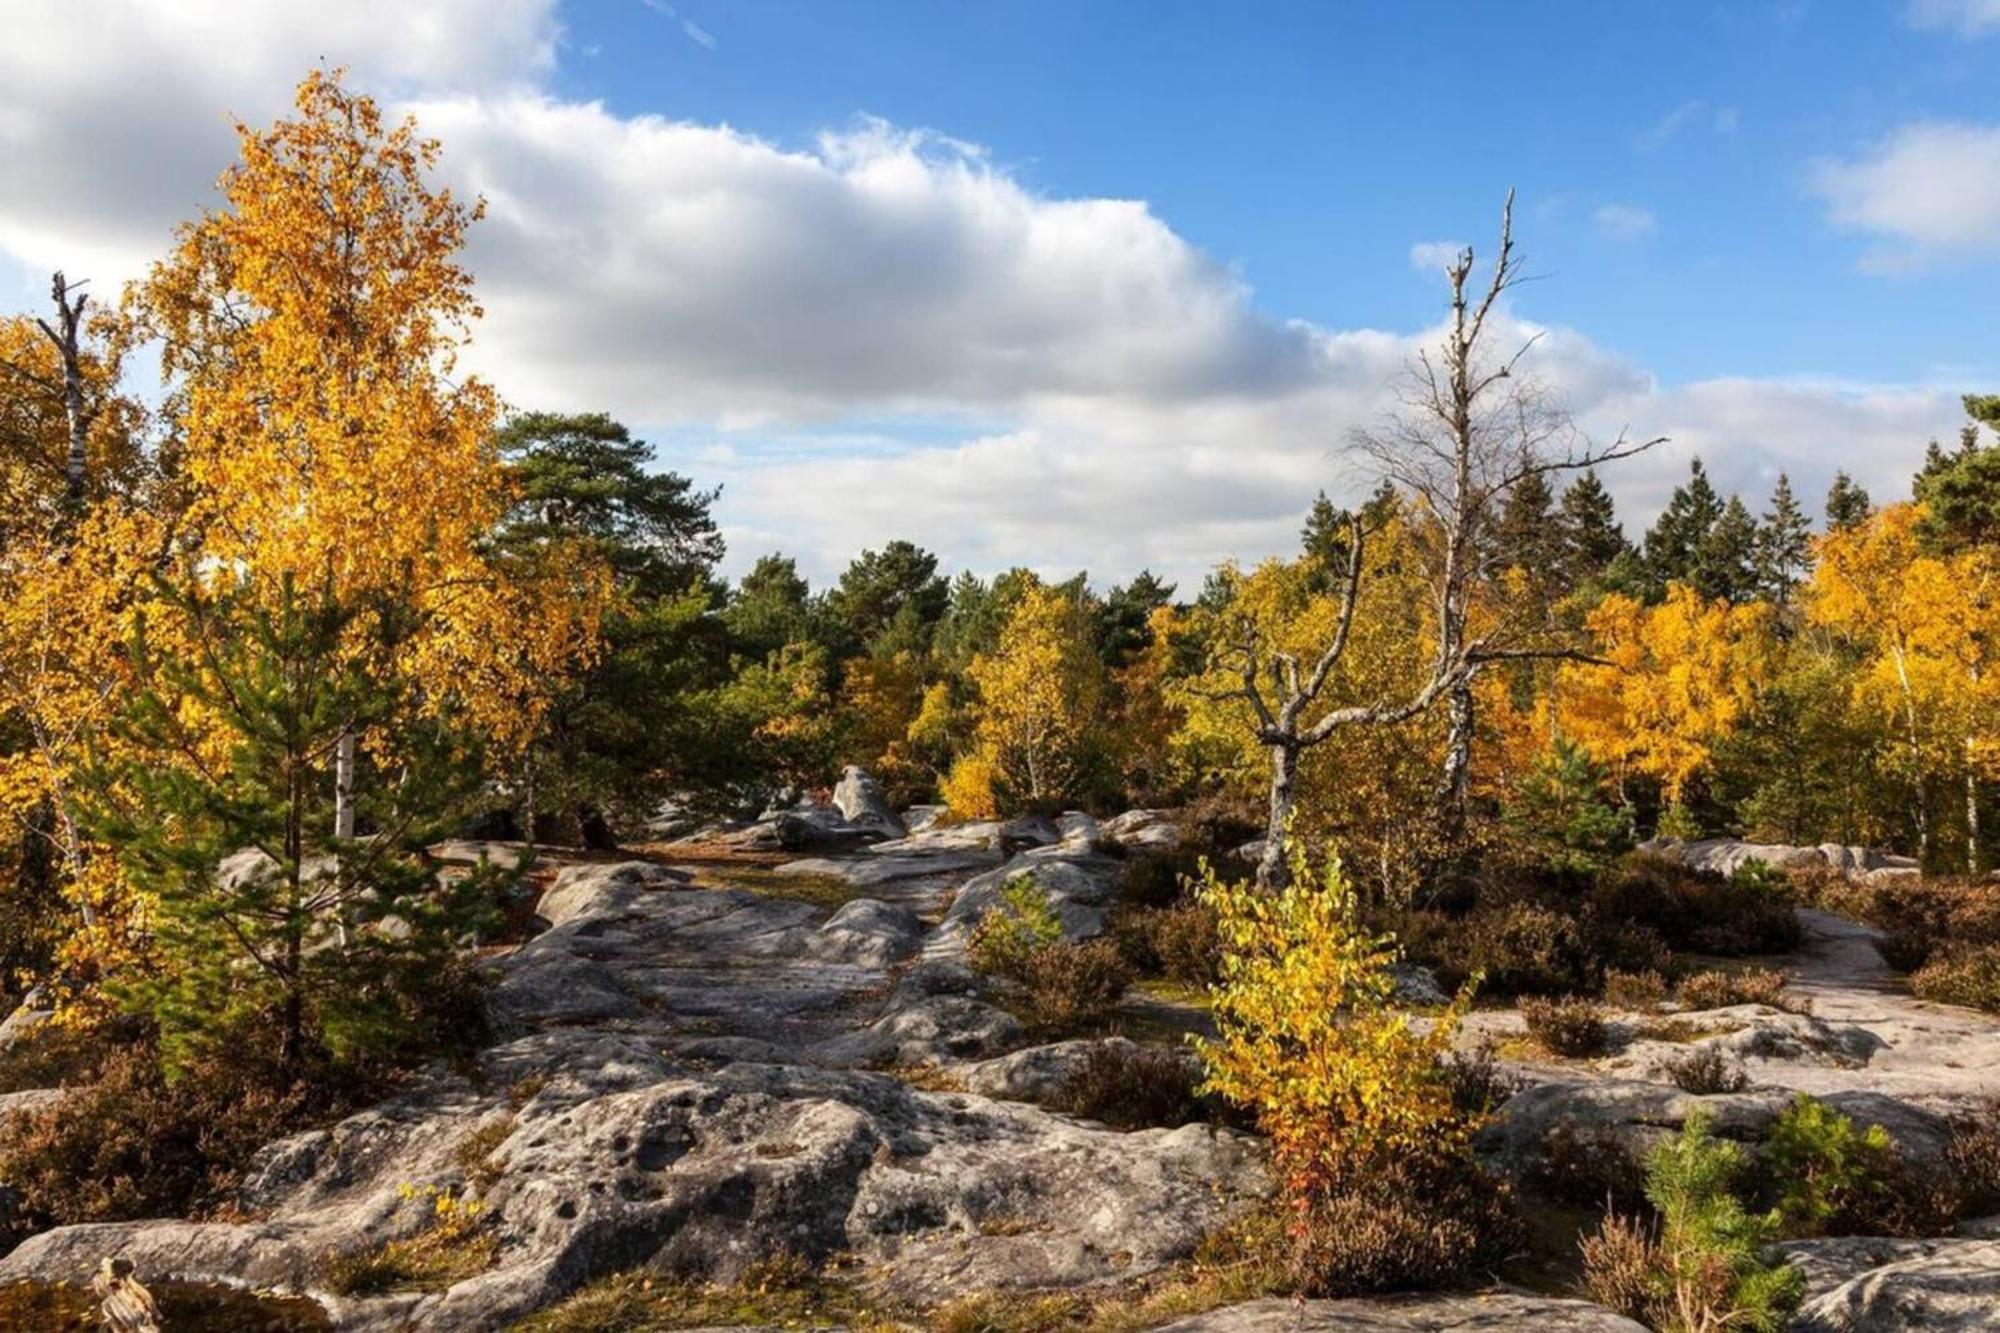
(1469, 428)
(67, 335)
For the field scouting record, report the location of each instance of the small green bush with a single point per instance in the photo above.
(1822, 1170)
(1570, 1027)
(1703, 1269)
(1018, 926)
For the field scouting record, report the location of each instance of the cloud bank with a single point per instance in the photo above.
(879, 333)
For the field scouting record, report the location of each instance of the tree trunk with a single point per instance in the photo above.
(66, 334)
(1971, 810)
(1453, 789)
(1273, 870)
(343, 786)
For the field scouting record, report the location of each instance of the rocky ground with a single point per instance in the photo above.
(695, 1075)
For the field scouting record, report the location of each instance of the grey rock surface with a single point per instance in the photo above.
(861, 801)
(679, 1089)
(1438, 1312)
(1950, 1286)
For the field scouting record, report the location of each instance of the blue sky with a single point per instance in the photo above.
(1105, 284)
(1312, 143)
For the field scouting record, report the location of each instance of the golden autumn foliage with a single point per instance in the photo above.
(1674, 680)
(1927, 623)
(1035, 739)
(1308, 1035)
(1370, 1149)
(1365, 793)
(310, 329)
(34, 427)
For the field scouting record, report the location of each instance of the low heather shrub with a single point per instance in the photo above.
(1705, 1071)
(1570, 1026)
(1131, 1086)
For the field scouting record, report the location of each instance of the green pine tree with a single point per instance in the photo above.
(1847, 505)
(1591, 536)
(1725, 563)
(1963, 488)
(1122, 618)
(1784, 545)
(268, 928)
(1674, 544)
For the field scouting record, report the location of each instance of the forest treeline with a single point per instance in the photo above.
(323, 593)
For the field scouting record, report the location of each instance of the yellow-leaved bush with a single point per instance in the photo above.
(1372, 1151)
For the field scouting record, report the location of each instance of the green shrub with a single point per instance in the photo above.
(1967, 975)
(1821, 1170)
(1130, 1086)
(1570, 1026)
(1019, 925)
(1559, 808)
(1703, 1269)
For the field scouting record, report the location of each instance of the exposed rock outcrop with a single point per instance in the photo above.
(1724, 856)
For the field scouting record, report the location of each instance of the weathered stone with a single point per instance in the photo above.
(1439, 1312)
(867, 932)
(1952, 1286)
(923, 818)
(861, 800)
(1079, 890)
(1018, 835)
(1143, 830)
(1639, 1114)
(1725, 856)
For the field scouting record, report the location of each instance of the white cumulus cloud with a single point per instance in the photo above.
(1930, 188)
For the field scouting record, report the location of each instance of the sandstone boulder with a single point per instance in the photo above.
(860, 799)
